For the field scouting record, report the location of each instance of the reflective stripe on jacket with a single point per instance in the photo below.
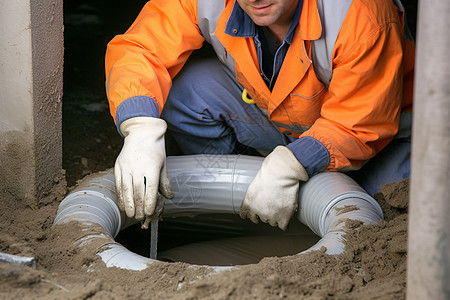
(354, 117)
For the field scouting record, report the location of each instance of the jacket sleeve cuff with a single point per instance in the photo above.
(139, 106)
(311, 153)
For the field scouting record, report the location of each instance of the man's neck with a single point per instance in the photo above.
(279, 32)
(280, 28)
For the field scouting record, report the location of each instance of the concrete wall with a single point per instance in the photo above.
(31, 68)
(429, 208)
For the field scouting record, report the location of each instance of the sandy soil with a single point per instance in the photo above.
(372, 267)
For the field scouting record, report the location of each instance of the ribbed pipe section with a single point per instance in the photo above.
(324, 191)
(216, 184)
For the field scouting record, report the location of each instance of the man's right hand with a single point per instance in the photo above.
(140, 170)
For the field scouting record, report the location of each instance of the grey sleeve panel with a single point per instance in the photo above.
(332, 14)
(209, 12)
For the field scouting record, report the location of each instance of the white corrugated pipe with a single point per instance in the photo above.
(215, 184)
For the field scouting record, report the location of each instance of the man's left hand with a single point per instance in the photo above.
(272, 196)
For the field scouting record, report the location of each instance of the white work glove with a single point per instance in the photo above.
(272, 196)
(140, 170)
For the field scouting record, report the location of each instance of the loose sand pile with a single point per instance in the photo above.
(372, 267)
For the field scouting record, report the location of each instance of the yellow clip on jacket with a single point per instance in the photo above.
(354, 117)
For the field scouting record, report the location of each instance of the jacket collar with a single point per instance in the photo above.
(239, 24)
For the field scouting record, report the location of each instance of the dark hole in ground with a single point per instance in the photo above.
(236, 241)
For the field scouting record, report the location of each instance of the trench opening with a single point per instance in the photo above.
(218, 240)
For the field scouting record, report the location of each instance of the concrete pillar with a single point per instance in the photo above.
(31, 67)
(428, 275)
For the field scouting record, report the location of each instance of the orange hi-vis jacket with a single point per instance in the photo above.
(354, 115)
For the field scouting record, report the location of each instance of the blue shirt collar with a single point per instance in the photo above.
(239, 24)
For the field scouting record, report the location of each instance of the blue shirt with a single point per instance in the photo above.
(241, 25)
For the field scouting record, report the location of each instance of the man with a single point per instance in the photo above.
(318, 84)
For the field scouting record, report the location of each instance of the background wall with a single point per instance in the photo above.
(90, 139)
